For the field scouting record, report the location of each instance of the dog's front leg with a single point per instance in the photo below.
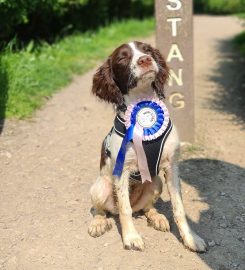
(131, 239)
(191, 240)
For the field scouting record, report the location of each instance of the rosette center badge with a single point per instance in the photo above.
(146, 117)
(151, 116)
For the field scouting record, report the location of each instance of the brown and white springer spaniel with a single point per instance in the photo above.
(136, 70)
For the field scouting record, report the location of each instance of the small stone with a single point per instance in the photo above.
(106, 245)
(242, 239)
(222, 193)
(223, 225)
(164, 251)
(218, 243)
(235, 264)
(46, 187)
(211, 243)
(178, 255)
(240, 219)
(6, 154)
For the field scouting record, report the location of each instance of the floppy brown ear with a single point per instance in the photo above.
(162, 74)
(104, 85)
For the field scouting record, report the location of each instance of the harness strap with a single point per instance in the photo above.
(153, 149)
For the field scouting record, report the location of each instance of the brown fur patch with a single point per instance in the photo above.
(103, 156)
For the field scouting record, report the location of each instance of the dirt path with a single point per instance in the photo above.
(49, 163)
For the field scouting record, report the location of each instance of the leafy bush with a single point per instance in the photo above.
(240, 42)
(219, 6)
(29, 76)
(45, 19)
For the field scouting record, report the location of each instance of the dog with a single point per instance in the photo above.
(135, 70)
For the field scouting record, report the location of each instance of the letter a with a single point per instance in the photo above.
(174, 53)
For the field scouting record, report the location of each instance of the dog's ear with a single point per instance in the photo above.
(162, 74)
(104, 85)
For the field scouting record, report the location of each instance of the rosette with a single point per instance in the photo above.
(145, 120)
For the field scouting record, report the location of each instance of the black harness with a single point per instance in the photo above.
(153, 149)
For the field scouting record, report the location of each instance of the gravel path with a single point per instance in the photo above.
(49, 163)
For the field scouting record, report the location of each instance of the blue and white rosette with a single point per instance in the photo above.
(145, 120)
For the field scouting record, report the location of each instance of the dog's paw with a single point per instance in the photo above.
(133, 241)
(194, 242)
(159, 222)
(99, 225)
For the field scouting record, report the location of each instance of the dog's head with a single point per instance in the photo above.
(129, 66)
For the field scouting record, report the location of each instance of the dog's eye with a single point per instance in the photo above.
(119, 59)
(147, 49)
(122, 56)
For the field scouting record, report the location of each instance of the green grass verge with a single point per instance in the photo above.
(240, 15)
(29, 76)
(239, 41)
(219, 6)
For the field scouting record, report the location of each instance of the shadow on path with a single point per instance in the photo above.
(3, 94)
(230, 78)
(221, 186)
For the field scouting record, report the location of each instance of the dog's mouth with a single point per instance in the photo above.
(148, 75)
(150, 71)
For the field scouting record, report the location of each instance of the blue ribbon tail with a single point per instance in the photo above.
(122, 152)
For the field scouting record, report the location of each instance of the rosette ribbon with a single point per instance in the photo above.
(138, 131)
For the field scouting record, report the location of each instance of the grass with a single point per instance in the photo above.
(219, 6)
(239, 41)
(30, 76)
(240, 15)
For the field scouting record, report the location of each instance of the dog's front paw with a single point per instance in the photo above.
(133, 241)
(99, 225)
(194, 242)
(159, 222)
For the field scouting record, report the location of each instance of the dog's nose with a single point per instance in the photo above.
(144, 60)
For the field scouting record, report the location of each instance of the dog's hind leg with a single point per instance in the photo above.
(151, 192)
(191, 240)
(102, 199)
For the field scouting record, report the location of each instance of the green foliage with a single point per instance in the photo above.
(241, 15)
(47, 19)
(219, 6)
(200, 6)
(239, 40)
(30, 76)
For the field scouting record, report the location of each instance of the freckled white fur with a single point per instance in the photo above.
(136, 55)
(134, 67)
(103, 190)
(143, 88)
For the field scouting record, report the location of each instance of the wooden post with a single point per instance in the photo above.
(174, 36)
